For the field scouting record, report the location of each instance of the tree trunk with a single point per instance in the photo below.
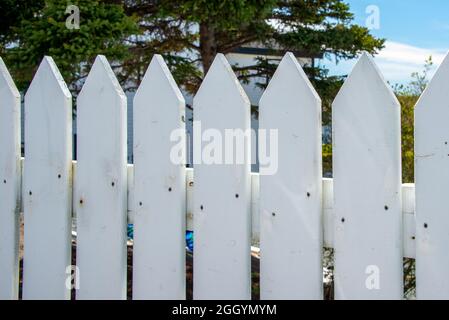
(208, 45)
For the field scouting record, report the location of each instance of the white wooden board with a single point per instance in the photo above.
(290, 197)
(222, 192)
(101, 186)
(367, 187)
(46, 187)
(9, 185)
(160, 187)
(432, 187)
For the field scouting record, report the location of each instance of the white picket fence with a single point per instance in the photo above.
(365, 213)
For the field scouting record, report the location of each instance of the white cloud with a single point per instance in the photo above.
(397, 61)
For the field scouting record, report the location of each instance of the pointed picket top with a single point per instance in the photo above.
(47, 172)
(101, 75)
(290, 79)
(7, 85)
(222, 217)
(366, 80)
(291, 107)
(220, 78)
(158, 77)
(159, 111)
(9, 189)
(367, 161)
(431, 98)
(101, 185)
(431, 172)
(47, 78)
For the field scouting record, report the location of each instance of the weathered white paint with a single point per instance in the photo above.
(159, 187)
(9, 185)
(408, 209)
(101, 186)
(290, 199)
(47, 191)
(222, 196)
(408, 220)
(432, 185)
(367, 187)
(377, 177)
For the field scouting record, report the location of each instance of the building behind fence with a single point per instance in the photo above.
(365, 214)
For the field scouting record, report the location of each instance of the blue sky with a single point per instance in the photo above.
(414, 30)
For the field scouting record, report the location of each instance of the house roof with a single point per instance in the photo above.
(275, 52)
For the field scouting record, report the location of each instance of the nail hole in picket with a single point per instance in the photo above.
(201, 207)
(59, 176)
(140, 203)
(426, 225)
(169, 189)
(386, 208)
(274, 214)
(30, 193)
(236, 195)
(308, 194)
(343, 220)
(113, 184)
(4, 181)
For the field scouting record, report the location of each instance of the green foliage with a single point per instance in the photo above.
(202, 28)
(224, 14)
(408, 96)
(327, 158)
(408, 103)
(103, 30)
(12, 12)
(188, 33)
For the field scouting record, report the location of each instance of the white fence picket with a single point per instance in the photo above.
(101, 186)
(222, 195)
(46, 185)
(368, 217)
(9, 185)
(367, 187)
(432, 185)
(290, 197)
(159, 187)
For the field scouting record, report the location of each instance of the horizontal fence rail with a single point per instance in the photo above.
(287, 211)
(408, 209)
